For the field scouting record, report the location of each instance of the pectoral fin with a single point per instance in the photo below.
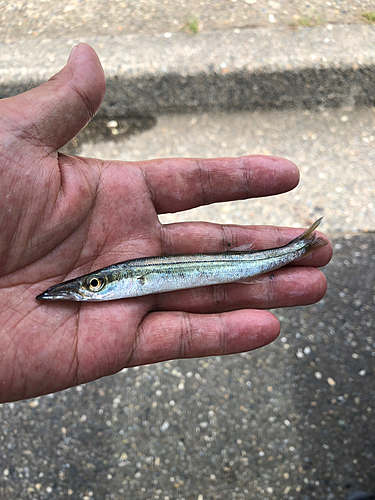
(247, 247)
(248, 281)
(141, 279)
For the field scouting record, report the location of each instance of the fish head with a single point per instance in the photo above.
(92, 287)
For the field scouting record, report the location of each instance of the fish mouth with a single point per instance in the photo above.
(63, 291)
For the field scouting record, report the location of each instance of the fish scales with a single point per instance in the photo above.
(190, 271)
(148, 275)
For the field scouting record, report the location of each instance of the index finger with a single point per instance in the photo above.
(181, 184)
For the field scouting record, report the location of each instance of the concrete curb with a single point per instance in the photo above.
(238, 70)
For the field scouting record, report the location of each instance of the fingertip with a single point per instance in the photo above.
(54, 112)
(254, 329)
(327, 250)
(84, 61)
(270, 327)
(287, 170)
(271, 174)
(294, 172)
(72, 53)
(69, 99)
(319, 286)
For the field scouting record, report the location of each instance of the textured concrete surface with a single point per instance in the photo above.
(244, 70)
(294, 420)
(247, 54)
(51, 19)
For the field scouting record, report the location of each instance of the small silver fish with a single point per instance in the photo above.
(137, 277)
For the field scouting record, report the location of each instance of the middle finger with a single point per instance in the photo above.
(286, 287)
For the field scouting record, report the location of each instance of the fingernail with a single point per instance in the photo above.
(72, 52)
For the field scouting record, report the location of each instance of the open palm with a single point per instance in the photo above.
(64, 216)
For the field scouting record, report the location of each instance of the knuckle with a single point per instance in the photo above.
(186, 336)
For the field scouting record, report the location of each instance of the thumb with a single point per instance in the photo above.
(53, 113)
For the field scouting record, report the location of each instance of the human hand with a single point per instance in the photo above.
(64, 216)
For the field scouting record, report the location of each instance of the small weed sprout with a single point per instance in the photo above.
(193, 25)
(369, 16)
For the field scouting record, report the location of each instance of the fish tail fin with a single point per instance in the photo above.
(315, 244)
(309, 238)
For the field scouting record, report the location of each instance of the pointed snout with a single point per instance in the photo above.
(63, 291)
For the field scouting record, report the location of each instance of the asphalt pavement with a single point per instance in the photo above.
(295, 419)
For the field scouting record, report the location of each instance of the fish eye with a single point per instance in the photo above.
(95, 283)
